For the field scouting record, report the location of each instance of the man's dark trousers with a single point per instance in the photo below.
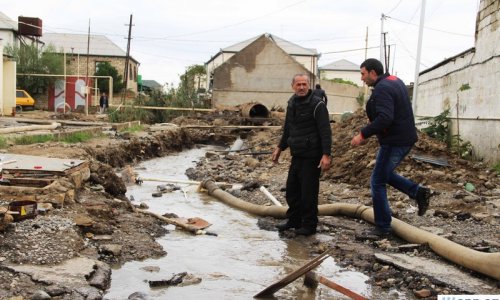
(302, 188)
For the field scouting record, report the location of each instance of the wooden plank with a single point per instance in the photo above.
(278, 285)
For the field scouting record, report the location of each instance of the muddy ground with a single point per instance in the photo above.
(102, 226)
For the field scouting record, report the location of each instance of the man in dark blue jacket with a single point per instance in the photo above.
(391, 120)
(308, 134)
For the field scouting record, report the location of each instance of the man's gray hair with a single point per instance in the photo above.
(300, 75)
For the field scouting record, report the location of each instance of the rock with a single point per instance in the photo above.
(114, 249)
(157, 194)
(40, 295)
(409, 247)
(210, 154)
(480, 216)
(489, 185)
(151, 269)
(138, 296)
(371, 164)
(423, 293)
(101, 277)
(462, 216)
(252, 162)
(83, 220)
(441, 213)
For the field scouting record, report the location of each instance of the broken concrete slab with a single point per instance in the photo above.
(439, 272)
(74, 273)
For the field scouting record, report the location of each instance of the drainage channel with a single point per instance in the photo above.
(236, 264)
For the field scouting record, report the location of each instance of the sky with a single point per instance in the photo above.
(168, 36)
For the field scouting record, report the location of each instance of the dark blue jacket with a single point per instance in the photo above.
(307, 128)
(390, 113)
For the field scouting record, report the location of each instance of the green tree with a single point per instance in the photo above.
(30, 59)
(187, 92)
(106, 69)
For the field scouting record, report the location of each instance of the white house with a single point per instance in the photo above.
(342, 69)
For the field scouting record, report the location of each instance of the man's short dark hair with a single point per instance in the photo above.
(318, 86)
(373, 64)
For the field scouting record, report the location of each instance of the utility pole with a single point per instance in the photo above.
(417, 63)
(366, 43)
(382, 39)
(87, 75)
(127, 59)
(366, 56)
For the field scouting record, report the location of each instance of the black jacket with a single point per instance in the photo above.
(390, 113)
(307, 128)
(321, 94)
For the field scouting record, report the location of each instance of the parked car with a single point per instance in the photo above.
(24, 101)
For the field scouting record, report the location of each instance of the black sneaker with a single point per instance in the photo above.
(305, 231)
(423, 195)
(374, 234)
(286, 225)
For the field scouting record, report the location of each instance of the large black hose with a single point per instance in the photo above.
(482, 262)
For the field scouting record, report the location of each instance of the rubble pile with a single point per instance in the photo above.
(354, 165)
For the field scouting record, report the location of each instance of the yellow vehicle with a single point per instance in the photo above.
(24, 101)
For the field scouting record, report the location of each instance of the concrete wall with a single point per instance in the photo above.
(353, 76)
(8, 38)
(262, 72)
(341, 97)
(308, 62)
(476, 111)
(7, 83)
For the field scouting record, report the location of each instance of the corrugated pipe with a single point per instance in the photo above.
(482, 262)
(254, 110)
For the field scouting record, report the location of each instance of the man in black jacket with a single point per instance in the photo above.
(391, 120)
(318, 91)
(308, 134)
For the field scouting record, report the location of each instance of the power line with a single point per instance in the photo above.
(395, 6)
(350, 50)
(449, 32)
(239, 23)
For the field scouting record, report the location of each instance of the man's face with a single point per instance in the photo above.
(368, 77)
(300, 85)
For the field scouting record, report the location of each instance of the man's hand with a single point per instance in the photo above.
(324, 163)
(357, 140)
(276, 155)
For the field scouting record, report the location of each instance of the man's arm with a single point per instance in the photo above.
(384, 114)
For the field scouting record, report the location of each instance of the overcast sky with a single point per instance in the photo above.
(170, 35)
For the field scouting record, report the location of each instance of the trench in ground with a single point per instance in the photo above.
(237, 264)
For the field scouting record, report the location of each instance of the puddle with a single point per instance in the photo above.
(237, 264)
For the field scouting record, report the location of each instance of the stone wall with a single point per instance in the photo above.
(467, 85)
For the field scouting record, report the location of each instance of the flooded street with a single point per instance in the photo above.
(236, 264)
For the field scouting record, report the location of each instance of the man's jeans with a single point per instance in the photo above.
(388, 158)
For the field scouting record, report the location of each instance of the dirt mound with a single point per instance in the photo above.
(354, 165)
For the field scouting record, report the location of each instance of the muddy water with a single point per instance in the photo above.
(238, 263)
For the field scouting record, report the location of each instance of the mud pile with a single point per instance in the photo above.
(354, 165)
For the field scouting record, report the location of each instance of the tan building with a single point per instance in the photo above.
(100, 49)
(259, 72)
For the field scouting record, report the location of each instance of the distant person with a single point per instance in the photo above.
(308, 134)
(103, 103)
(391, 120)
(318, 91)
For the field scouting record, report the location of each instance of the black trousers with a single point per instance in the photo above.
(302, 188)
